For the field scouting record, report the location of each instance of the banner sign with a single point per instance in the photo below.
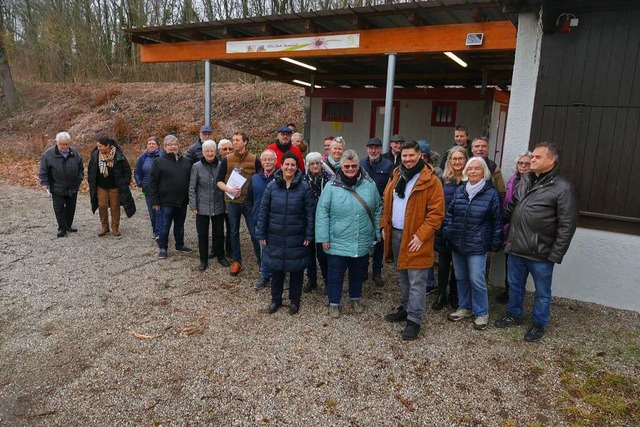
(337, 41)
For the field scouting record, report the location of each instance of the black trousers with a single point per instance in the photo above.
(65, 209)
(295, 286)
(217, 235)
(447, 275)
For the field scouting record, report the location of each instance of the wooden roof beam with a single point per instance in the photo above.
(272, 30)
(313, 26)
(498, 36)
(416, 20)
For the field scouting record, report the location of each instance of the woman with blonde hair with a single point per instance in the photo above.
(451, 179)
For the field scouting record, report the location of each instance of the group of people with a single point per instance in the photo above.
(338, 211)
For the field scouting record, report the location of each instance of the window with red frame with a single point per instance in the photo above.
(443, 113)
(337, 110)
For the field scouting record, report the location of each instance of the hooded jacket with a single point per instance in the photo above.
(423, 217)
(343, 222)
(543, 216)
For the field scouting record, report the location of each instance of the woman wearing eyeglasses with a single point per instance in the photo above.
(451, 179)
(523, 164)
(347, 224)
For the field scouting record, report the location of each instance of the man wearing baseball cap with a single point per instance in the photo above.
(380, 170)
(393, 154)
(195, 150)
(283, 145)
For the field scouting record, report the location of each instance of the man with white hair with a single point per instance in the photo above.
(169, 191)
(61, 172)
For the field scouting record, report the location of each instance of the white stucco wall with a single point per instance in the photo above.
(600, 266)
(415, 123)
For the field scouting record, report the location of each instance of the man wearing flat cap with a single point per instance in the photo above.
(195, 150)
(283, 145)
(393, 154)
(380, 170)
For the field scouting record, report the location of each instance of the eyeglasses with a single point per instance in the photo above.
(314, 163)
(349, 166)
(524, 163)
(461, 159)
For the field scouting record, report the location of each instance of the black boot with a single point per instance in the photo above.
(440, 302)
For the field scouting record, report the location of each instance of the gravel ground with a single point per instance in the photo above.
(69, 309)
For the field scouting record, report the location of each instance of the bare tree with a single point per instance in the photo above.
(10, 96)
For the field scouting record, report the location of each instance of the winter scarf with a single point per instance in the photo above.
(406, 175)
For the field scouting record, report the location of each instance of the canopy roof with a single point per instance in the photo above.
(418, 31)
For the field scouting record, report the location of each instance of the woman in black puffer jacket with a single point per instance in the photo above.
(473, 229)
(285, 229)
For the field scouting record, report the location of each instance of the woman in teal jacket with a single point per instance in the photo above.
(347, 229)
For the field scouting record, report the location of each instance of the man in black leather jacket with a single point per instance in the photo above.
(543, 215)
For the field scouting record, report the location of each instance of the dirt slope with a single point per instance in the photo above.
(133, 111)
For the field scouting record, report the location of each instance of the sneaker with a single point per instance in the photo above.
(480, 322)
(534, 333)
(431, 289)
(185, 249)
(62, 232)
(261, 283)
(459, 314)
(411, 331)
(357, 307)
(334, 311)
(222, 260)
(507, 321)
(399, 316)
(309, 286)
(162, 254)
(235, 268)
(378, 280)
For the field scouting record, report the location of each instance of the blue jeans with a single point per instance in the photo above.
(264, 271)
(235, 211)
(542, 272)
(167, 215)
(316, 252)
(431, 278)
(472, 287)
(153, 215)
(337, 266)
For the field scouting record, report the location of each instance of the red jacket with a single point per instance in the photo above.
(280, 153)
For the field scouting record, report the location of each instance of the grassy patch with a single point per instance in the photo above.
(598, 397)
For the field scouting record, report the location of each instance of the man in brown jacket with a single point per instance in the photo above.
(412, 212)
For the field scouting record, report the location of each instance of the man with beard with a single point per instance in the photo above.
(380, 170)
(283, 145)
(413, 210)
